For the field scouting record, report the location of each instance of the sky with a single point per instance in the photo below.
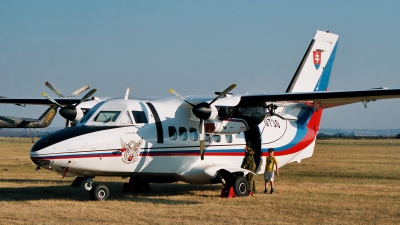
(196, 48)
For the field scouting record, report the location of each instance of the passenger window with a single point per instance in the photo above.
(217, 138)
(125, 119)
(207, 138)
(172, 133)
(194, 136)
(107, 116)
(228, 138)
(140, 117)
(182, 133)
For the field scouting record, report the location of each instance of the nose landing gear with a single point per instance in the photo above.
(98, 192)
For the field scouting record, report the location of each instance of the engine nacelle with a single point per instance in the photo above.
(236, 119)
(79, 115)
(234, 125)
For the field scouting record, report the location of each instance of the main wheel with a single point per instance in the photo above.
(241, 186)
(99, 192)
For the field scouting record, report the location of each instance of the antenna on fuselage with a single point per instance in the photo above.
(127, 92)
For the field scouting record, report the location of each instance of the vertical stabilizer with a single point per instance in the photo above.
(314, 70)
(47, 117)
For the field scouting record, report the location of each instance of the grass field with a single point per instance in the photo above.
(345, 182)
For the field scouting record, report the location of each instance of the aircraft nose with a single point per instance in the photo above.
(47, 148)
(58, 136)
(44, 142)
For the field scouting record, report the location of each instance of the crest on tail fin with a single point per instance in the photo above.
(317, 59)
(314, 70)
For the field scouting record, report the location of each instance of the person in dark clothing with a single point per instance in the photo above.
(250, 164)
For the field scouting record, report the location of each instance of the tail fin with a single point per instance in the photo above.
(314, 70)
(47, 117)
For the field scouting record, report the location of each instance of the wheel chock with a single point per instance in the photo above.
(227, 192)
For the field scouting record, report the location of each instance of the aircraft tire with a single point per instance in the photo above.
(241, 186)
(99, 192)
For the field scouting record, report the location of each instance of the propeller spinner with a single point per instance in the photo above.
(203, 111)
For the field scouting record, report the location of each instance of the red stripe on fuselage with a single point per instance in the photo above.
(312, 129)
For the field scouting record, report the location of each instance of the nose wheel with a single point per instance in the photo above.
(99, 192)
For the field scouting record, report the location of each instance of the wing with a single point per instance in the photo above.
(38, 101)
(324, 99)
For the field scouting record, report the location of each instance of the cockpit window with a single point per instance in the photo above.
(107, 116)
(140, 117)
(125, 119)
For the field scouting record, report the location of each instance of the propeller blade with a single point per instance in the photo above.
(201, 129)
(223, 93)
(179, 96)
(87, 95)
(57, 92)
(77, 92)
(50, 99)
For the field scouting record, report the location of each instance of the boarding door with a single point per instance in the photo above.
(253, 140)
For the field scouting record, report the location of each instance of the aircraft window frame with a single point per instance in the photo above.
(173, 135)
(229, 138)
(126, 119)
(183, 133)
(86, 117)
(140, 116)
(194, 135)
(109, 116)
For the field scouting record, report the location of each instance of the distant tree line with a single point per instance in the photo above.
(353, 136)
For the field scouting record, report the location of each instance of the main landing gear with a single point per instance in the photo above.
(237, 186)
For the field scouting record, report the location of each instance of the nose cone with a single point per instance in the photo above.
(68, 112)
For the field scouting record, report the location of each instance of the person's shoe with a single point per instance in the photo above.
(271, 192)
(265, 191)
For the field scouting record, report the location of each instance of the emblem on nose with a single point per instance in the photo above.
(130, 151)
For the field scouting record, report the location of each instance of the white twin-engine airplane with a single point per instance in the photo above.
(200, 139)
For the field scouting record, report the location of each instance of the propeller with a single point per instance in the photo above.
(58, 93)
(203, 111)
(69, 112)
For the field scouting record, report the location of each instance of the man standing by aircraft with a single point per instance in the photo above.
(250, 164)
